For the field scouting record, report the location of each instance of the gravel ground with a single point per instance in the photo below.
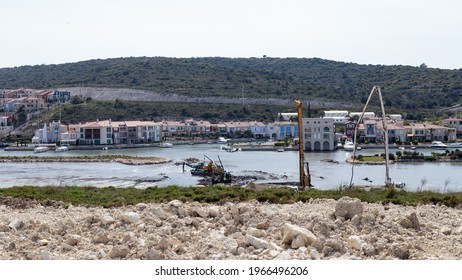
(319, 229)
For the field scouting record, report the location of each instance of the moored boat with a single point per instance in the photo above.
(166, 145)
(62, 149)
(349, 146)
(438, 145)
(40, 149)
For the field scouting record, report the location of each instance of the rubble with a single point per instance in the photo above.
(318, 229)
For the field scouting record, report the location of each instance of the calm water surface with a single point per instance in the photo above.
(325, 175)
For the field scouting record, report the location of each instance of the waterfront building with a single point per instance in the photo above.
(5, 125)
(259, 130)
(237, 129)
(319, 134)
(454, 123)
(173, 128)
(50, 133)
(339, 117)
(286, 130)
(198, 128)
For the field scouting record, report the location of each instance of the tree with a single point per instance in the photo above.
(76, 100)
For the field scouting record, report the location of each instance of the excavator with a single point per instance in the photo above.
(212, 169)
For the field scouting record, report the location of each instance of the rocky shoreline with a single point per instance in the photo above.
(318, 229)
(124, 160)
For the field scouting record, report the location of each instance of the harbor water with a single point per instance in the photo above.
(329, 170)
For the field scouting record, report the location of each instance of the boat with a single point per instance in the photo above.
(280, 150)
(349, 146)
(222, 140)
(438, 145)
(166, 145)
(41, 149)
(62, 149)
(456, 145)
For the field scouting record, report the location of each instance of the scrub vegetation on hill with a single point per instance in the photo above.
(404, 87)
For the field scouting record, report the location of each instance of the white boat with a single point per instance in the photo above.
(222, 140)
(280, 150)
(455, 145)
(40, 149)
(349, 146)
(166, 145)
(62, 149)
(438, 145)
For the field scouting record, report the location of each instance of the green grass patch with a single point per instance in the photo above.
(114, 197)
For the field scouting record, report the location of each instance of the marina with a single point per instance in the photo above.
(328, 170)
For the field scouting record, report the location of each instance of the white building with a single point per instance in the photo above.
(367, 115)
(288, 116)
(4, 127)
(319, 134)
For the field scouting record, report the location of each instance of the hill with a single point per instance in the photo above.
(404, 87)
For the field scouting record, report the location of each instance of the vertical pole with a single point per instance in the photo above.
(385, 133)
(304, 180)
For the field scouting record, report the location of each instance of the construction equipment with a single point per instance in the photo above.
(212, 169)
(305, 178)
(375, 90)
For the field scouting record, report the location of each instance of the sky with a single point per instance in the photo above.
(389, 32)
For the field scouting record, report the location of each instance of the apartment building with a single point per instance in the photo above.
(319, 134)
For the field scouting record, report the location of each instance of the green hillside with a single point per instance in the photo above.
(404, 87)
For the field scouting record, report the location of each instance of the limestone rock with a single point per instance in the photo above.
(254, 232)
(214, 211)
(141, 206)
(43, 242)
(90, 256)
(16, 224)
(107, 220)
(204, 213)
(347, 207)
(256, 242)
(314, 255)
(355, 242)
(230, 245)
(290, 231)
(411, 221)
(159, 213)
(46, 255)
(175, 203)
(297, 242)
(119, 252)
(4, 228)
(400, 251)
(131, 217)
(100, 237)
(73, 239)
(446, 230)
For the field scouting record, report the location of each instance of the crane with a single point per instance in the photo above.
(305, 179)
(375, 90)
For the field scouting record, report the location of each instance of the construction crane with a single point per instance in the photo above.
(375, 90)
(305, 179)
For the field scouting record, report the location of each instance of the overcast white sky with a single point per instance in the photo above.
(389, 32)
